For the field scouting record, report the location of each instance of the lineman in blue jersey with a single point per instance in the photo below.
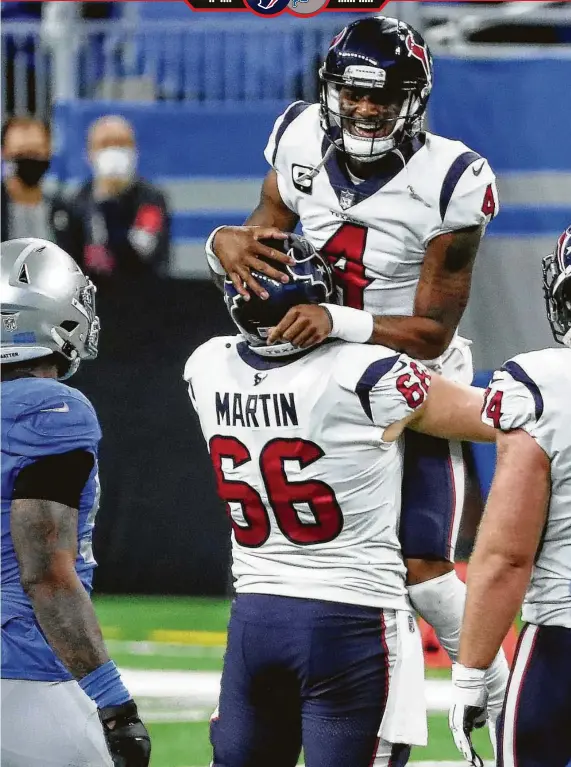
(63, 700)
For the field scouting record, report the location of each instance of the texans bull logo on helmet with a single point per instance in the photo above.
(419, 52)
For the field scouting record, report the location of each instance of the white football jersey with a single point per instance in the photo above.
(531, 392)
(312, 489)
(375, 232)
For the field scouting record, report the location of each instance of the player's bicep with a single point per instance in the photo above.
(272, 209)
(453, 411)
(446, 274)
(44, 534)
(516, 509)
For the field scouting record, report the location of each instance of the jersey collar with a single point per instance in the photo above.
(350, 194)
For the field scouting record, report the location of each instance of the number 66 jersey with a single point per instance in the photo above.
(311, 488)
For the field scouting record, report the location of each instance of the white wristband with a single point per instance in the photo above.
(353, 325)
(211, 256)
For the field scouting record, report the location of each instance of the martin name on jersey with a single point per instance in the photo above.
(311, 488)
(531, 392)
(375, 232)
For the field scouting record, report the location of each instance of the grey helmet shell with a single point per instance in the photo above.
(48, 305)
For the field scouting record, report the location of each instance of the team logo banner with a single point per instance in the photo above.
(302, 8)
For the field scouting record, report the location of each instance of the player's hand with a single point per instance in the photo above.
(126, 736)
(468, 709)
(303, 326)
(238, 248)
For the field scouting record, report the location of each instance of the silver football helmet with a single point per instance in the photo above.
(48, 305)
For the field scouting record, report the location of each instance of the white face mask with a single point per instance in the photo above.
(115, 162)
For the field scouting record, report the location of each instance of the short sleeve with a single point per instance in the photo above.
(513, 400)
(280, 126)
(392, 388)
(189, 372)
(58, 424)
(469, 196)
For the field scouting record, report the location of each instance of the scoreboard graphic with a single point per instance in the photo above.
(303, 8)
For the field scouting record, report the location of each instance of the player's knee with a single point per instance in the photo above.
(421, 570)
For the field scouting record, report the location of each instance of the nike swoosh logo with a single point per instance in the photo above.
(477, 171)
(63, 409)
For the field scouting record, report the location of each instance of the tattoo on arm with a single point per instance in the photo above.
(441, 298)
(462, 250)
(45, 539)
(446, 277)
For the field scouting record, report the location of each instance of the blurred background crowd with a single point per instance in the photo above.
(131, 130)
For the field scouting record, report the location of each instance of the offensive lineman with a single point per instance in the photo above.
(323, 649)
(399, 213)
(523, 550)
(50, 495)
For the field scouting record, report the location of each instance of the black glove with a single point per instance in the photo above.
(127, 737)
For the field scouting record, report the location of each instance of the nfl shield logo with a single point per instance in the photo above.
(10, 322)
(346, 199)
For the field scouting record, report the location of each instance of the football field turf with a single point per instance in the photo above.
(171, 651)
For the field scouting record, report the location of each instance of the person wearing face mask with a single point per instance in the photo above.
(117, 224)
(26, 154)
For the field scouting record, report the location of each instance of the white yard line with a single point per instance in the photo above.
(192, 695)
(439, 764)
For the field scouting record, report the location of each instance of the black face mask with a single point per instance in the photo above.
(30, 170)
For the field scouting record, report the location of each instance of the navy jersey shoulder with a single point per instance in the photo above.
(42, 416)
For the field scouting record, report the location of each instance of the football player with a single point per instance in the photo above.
(399, 213)
(63, 700)
(323, 649)
(523, 550)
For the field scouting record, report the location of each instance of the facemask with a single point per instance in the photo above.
(115, 162)
(29, 170)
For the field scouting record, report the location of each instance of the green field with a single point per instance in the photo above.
(183, 634)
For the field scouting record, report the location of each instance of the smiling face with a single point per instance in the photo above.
(368, 113)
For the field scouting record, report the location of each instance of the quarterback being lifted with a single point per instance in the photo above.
(398, 212)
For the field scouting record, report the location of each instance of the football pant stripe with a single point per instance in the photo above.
(513, 695)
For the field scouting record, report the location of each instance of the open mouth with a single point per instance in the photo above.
(367, 129)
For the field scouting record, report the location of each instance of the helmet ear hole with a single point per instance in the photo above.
(69, 325)
(24, 276)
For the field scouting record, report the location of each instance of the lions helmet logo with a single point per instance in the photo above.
(419, 52)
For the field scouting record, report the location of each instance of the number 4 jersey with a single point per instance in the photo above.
(375, 233)
(531, 392)
(311, 488)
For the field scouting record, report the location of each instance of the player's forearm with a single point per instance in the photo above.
(66, 616)
(496, 588)
(421, 337)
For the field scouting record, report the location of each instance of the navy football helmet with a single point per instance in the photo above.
(388, 58)
(557, 288)
(310, 282)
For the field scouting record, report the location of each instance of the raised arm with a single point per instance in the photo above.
(237, 248)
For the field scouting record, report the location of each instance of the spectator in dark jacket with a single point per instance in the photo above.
(117, 224)
(26, 154)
